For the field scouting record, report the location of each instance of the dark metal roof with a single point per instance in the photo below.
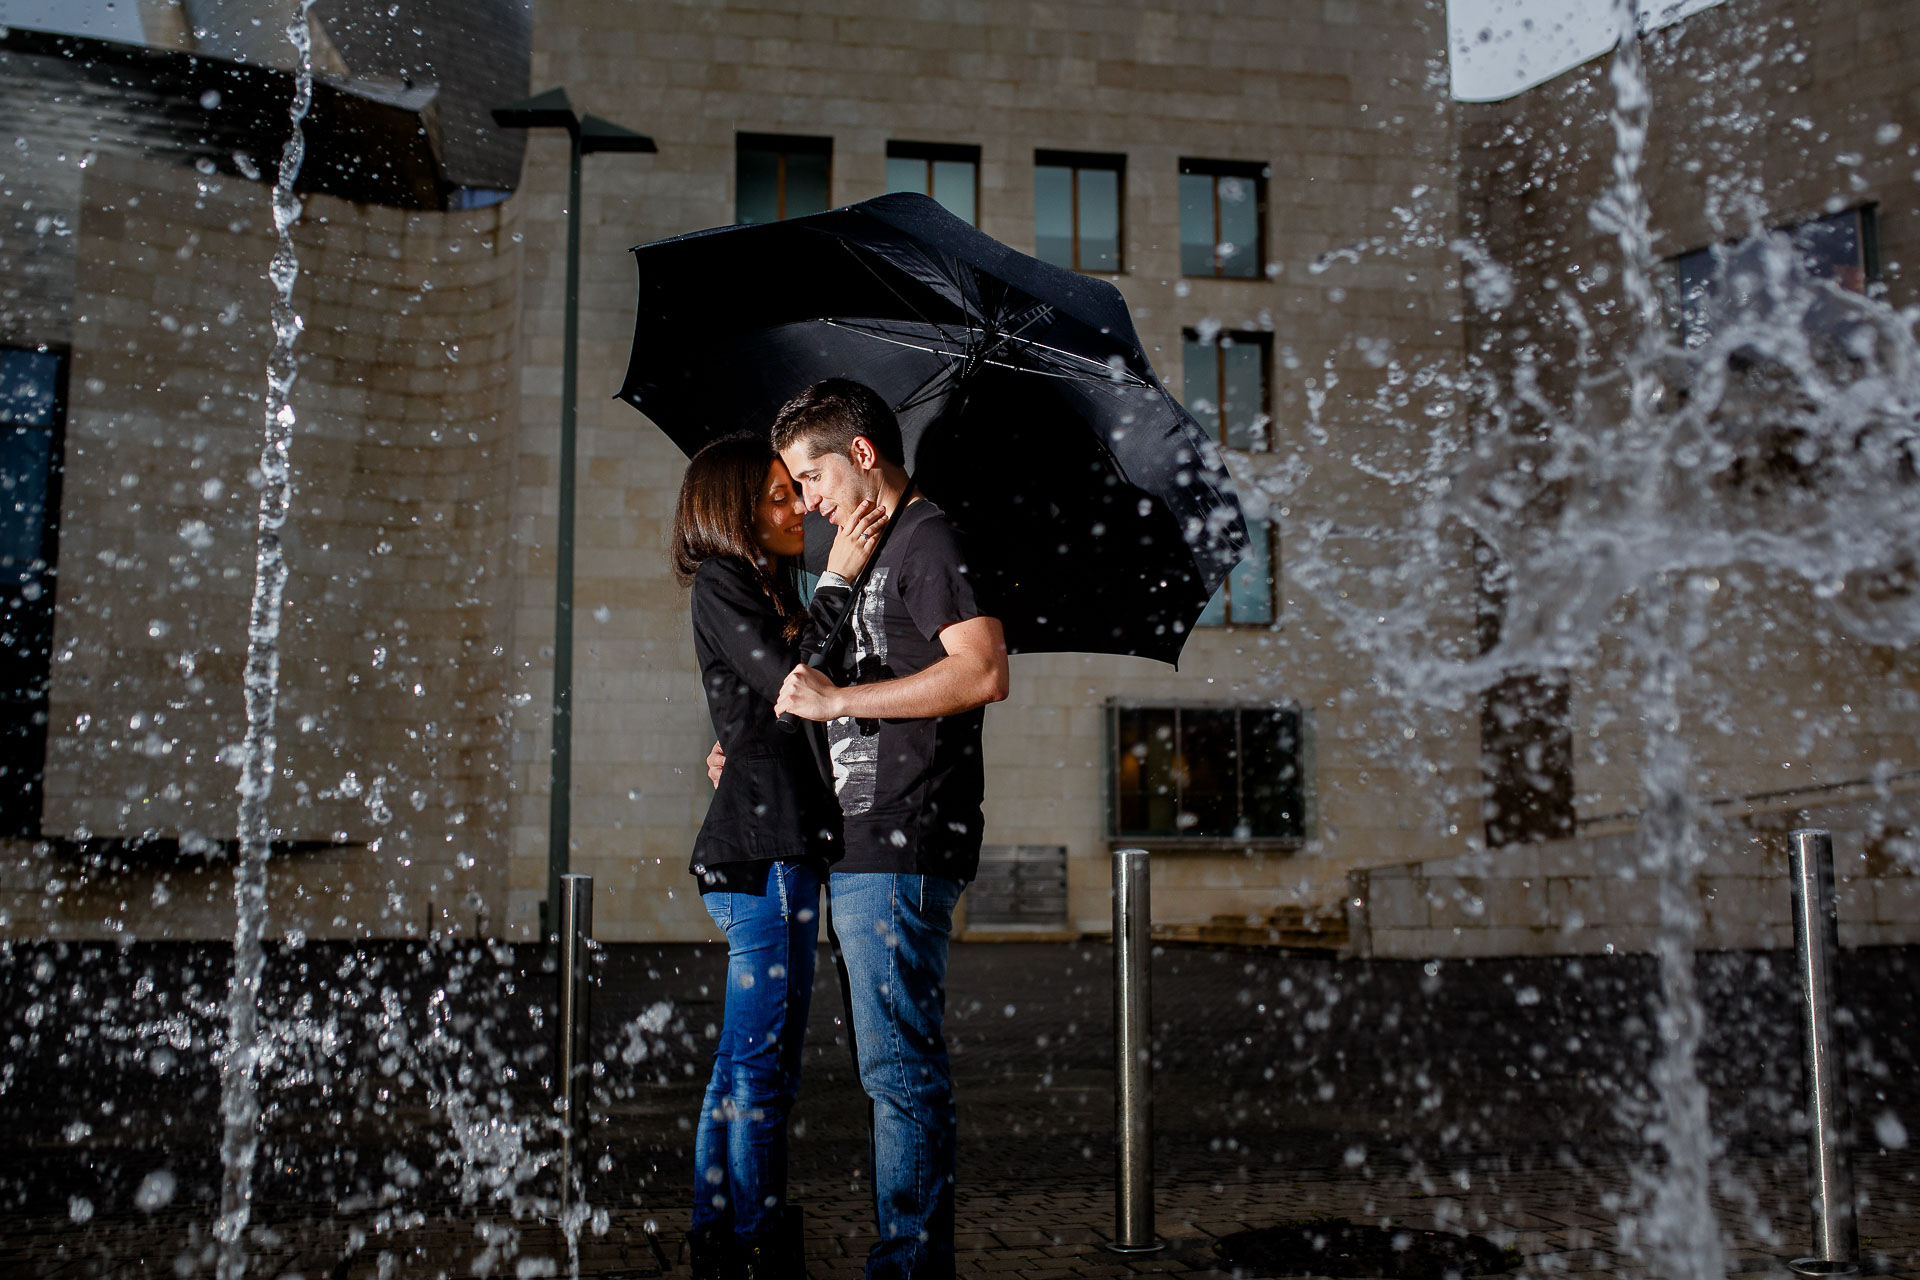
(477, 51)
(373, 142)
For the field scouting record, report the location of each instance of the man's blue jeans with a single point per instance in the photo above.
(893, 932)
(740, 1146)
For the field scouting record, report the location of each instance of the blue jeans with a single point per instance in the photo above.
(740, 1146)
(893, 931)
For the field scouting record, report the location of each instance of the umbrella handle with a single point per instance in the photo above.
(788, 721)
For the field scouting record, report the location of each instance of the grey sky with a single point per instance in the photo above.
(1498, 47)
(107, 19)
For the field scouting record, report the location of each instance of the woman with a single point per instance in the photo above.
(771, 831)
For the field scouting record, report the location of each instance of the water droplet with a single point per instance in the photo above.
(156, 1190)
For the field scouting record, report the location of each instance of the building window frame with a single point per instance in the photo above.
(1219, 613)
(1688, 277)
(1294, 722)
(782, 147)
(1076, 163)
(1714, 292)
(1257, 437)
(1254, 171)
(1260, 429)
(929, 155)
(23, 755)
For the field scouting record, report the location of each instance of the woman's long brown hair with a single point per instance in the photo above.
(714, 517)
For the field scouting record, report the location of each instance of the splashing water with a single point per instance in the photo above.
(239, 1062)
(1783, 438)
(1681, 1229)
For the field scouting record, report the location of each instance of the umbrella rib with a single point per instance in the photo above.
(1073, 364)
(1057, 369)
(925, 391)
(888, 285)
(1000, 337)
(1066, 363)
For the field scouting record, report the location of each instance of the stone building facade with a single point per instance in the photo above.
(1798, 696)
(1342, 104)
(418, 655)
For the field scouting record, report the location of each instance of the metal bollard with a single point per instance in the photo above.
(1816, 937)
(575, 1051)
(1133, 1048)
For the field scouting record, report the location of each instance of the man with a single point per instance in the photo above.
(904, 737)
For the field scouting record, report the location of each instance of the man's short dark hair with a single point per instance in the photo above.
(828, 416)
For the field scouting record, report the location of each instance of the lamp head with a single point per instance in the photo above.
(549, 110)
(604, 135)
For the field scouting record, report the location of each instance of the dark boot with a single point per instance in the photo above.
(780, 1254)
(715, 1255)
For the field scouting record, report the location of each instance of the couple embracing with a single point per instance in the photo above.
(877, 797)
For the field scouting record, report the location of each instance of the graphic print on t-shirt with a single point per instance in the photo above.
(854, 747)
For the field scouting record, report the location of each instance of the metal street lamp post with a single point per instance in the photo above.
(552, 110)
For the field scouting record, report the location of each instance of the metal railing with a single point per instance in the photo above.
(1133, 1055)
(573, 1055)
(1816, 939)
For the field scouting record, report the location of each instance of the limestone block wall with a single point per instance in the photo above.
(390, 782)
(1347, 104)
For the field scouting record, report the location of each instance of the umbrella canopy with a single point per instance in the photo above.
(1096, 513)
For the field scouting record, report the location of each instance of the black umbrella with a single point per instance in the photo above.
(1097, 515)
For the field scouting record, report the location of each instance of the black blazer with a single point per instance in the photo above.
(775, 800)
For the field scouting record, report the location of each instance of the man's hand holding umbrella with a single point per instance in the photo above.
(973, 673)
(848, 490)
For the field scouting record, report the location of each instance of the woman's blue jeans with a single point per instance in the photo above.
(740, 1146)
(893, 931)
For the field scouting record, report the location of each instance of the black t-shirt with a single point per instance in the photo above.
(910, 790)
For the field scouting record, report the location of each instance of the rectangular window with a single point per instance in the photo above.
(949, 172)
(32, 428)
(1526, 759)
(1078, 197)
(1246, 597)
(1224, 381)
(779, 176)
(1526, 729)
(1841, 249)
(1223, 219)
(1224, 385)
(1207, 773)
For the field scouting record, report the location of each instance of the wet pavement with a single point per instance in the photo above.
(404, 1089)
